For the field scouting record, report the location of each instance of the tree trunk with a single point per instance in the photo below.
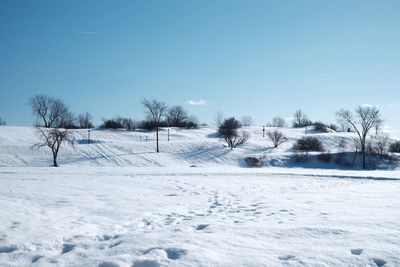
(55, 160)
(158, 150)
(363, 155)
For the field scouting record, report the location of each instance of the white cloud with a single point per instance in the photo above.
(199, 102)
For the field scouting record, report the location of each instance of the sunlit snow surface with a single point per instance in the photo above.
(82, 216)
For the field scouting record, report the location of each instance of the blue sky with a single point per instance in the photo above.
(258, 58)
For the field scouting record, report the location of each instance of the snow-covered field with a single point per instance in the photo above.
(117, 203)
(195, 217)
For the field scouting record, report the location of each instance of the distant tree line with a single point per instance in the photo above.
(2, 121)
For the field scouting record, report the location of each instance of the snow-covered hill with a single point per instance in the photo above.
(200, 147)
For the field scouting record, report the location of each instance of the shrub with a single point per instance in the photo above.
(395, 147)
(324, 157)
(308, 144)
(333, 127)
(111, 124)
(229, 131)
(320, 127)
(278, 122)
(119, 123)
(253, 162)
(150, 125)
(191, 125)
(192, 122)
(300, 157)
(276, 137)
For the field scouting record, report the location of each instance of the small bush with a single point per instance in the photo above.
(111, 124)
(150, 125)
(308, 144)
(325, 157)
(119, 123)
(228, 130)
(320, 127)
(333, 127)
(395, 147)
(191, 125)
(253, 162)
(300, 157)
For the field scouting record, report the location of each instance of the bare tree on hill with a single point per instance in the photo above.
(57, 124)
(85, 121)
(176, 116)
(155, 111)
(277, 138)
(278, 122)
(229, 131)
(246, 121)
(47, 109)
(362, 121)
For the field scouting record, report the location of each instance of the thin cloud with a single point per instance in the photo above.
(199, 102)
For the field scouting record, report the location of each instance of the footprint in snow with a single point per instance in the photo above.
(379, 262)
(287, 258)
(172, 253)
(356, 251)
(201, 227)
(7, 249)
(67, 248)
(146, 263)
(36, 258)
(108, 264)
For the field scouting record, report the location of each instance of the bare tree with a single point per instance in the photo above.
(85, 121)
(2, 122)
(53, 138)
(300, 119)
(129, 124)
(155, 111)
(219, 118)
(176, 116)
(276, 137)
(229, 131)
(192, 122)
(48, 109)
(278, 122)
(381, 143)
(246, 121)
(362, 121)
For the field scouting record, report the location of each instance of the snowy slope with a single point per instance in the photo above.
(120, 148)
